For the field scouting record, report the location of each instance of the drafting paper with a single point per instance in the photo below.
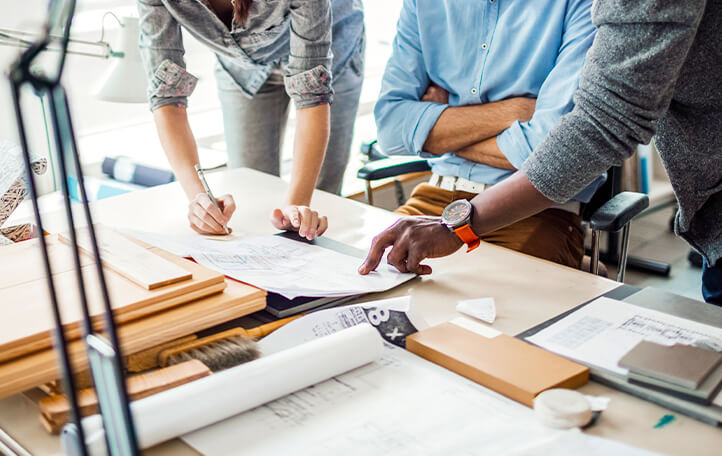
(291, 268)
(398, 405)
(279, 265)
(211, 399)
(603, 331)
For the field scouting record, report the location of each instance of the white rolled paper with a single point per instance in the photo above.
(211, 399)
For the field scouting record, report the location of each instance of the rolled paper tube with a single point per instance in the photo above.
(209, 400)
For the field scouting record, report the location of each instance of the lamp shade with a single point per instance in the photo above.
(125, 80)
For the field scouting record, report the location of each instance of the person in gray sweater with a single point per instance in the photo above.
(655, 69)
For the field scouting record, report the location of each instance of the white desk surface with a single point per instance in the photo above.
(527, 292)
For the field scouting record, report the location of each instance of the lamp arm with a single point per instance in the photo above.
(9, 37)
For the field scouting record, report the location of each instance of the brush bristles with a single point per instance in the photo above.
(221, 355)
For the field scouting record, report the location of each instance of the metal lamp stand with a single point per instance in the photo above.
(104, 354)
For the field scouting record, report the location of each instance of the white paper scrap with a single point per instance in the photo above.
(483, 308)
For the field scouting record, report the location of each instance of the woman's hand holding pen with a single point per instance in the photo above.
(300, 218)
(206, 218)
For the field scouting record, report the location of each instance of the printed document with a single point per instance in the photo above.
(280, 265)
(603, 331)
(291, 268)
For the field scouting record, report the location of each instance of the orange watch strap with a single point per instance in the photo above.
(467, 235)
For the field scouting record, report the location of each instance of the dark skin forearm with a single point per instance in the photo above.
(464, 126)
(507, 202)
(486, 152)
(413, 239)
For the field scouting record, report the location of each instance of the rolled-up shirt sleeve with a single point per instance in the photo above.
(402, 120)
(162, 51)
(626, 85)
(308, 72)
(555, 97)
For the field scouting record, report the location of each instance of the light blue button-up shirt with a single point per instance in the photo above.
(482, 51)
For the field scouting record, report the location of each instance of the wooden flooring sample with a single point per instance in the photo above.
(127, 258)
(26, 322)
(235, 301)
(56, 408)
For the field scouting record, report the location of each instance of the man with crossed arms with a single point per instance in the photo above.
(478, 85)
(655, 68)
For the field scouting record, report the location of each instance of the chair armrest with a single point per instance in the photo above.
(391, 167)
(618, 211)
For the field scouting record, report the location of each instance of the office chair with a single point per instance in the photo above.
(609, 210)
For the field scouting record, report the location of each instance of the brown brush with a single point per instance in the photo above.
(223, 350)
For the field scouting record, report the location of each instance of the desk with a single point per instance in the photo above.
(527, 291)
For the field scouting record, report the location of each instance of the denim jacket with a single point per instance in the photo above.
(293, 33)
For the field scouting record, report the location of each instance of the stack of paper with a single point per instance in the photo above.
(281, 265)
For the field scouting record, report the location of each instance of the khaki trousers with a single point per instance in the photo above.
(553, 235)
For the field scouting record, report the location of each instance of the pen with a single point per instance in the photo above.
(202, 177)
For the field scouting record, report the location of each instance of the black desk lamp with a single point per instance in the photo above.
(42, 71)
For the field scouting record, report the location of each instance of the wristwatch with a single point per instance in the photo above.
(457, 217)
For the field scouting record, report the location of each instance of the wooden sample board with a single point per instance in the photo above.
(55, 409)
(235, 301)
(26, 322)
(129, 259)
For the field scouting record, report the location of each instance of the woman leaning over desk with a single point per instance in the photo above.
(267, 51)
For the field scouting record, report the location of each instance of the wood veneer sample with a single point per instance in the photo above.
(56, 408)
(127, 258)
(235, 301)
(26, 322)
(502, 363)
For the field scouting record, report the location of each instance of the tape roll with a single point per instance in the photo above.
(562, 409)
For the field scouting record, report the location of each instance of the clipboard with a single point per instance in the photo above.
(668, 303)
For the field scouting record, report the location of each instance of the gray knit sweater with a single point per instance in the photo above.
(655, 68)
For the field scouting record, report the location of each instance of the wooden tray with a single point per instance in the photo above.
(26, 322)
(235, 301)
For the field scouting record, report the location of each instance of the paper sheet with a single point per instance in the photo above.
(603, 331)
(293, 268)
(172, 413)
(398, 405)
(278, 264)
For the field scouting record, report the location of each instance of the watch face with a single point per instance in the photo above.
(457, 213)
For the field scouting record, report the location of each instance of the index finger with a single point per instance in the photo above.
(376, 251)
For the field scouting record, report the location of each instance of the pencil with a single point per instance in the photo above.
(202, 177)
